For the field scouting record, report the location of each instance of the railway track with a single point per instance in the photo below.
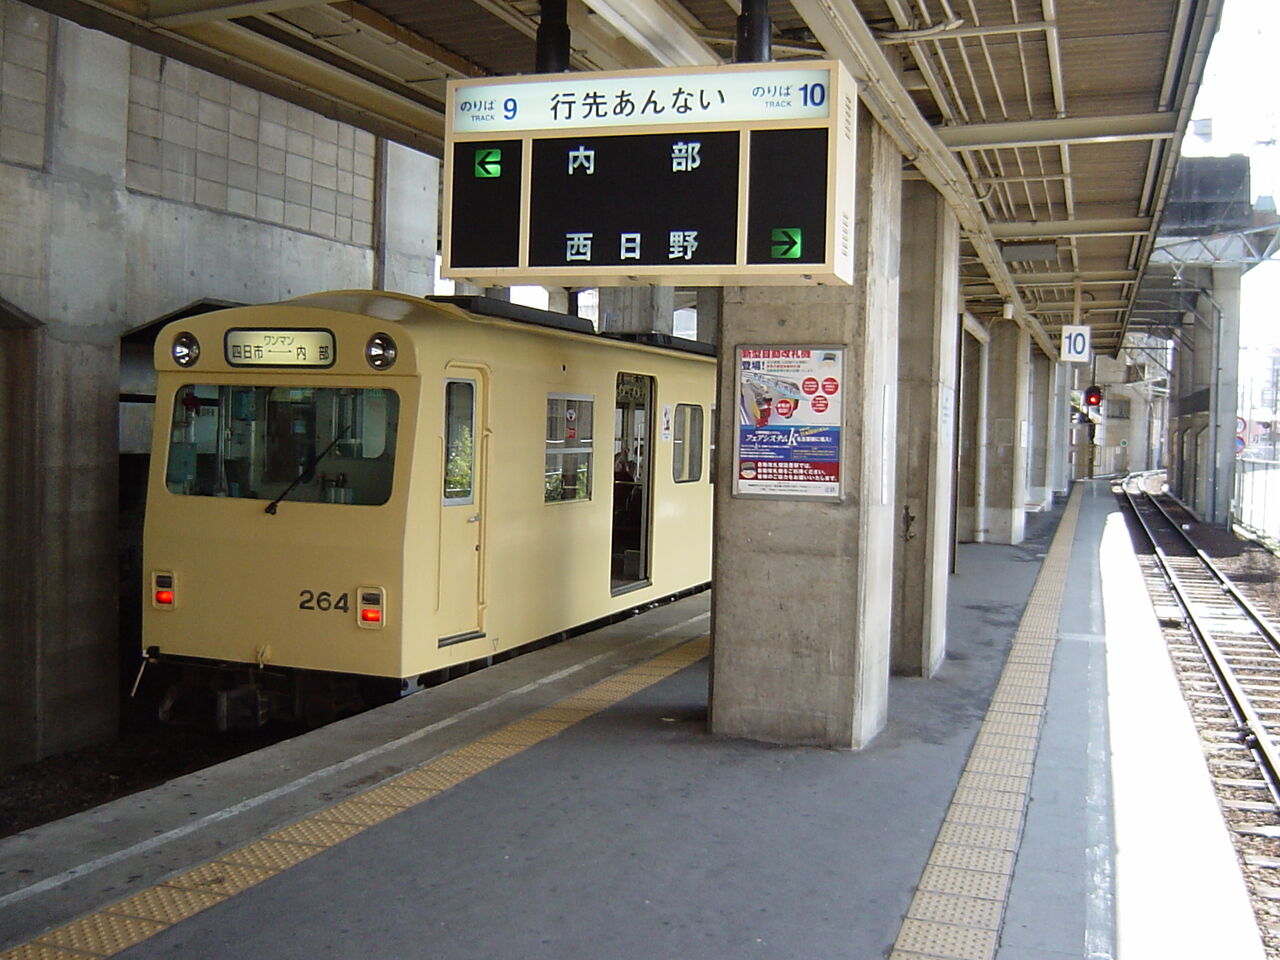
(1226, 653)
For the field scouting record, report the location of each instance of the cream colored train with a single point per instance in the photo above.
(361, 484)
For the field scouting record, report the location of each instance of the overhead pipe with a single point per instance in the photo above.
(755, 33)
(552, 54)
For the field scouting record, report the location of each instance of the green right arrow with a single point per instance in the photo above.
(785, 243)
(488, 163)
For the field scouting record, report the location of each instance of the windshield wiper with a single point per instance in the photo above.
(308, 470)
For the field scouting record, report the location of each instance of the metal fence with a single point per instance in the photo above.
(1256, 505)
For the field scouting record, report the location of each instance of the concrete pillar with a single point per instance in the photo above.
(558, 299)
(409, 187)
(971, 457)
(928, 330)
(1060, 474)
(19, 536)
(1189, 400)
(710, 309)
(1226, 384)
(637, 309)
(1004, 519)
(802, 604)
(1039, 414)
(1200, 403)
(58, 628)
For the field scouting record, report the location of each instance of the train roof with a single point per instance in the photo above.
(378, 306)
(367, 301)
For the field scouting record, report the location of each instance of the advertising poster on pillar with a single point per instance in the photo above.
(789, 409)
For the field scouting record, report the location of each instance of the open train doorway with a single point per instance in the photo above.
(632, 482)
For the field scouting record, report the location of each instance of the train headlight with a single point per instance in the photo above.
(185, 349)
(380, 351)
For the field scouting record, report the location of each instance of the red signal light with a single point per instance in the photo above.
(371, 616)
(1093, 397)
(164, 597)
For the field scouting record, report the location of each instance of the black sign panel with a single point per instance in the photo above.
(787, 196)
(486, 203)
(652, 199)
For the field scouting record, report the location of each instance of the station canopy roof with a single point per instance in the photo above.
(1052, 127)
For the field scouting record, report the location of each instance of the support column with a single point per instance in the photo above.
(1060, 475)
(928, 328)
(1040, 417)
(19, 536)
(710, 310)
(637, 309)
(1006, 468)
(1226, 294)
(1200, 428)
(64, 504)
(406, 215)
(971, 457)
(802, 603)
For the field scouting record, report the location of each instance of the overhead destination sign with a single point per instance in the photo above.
(642, 98)
(734, 174)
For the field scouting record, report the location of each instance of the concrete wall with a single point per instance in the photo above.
(130, 186)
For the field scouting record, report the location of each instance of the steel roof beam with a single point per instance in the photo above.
(1067, 279)
(846, 36)
(934, 34)
(1068, 306)
(1069, 130)
(178, 13)
(658, 29)
(1105, 227)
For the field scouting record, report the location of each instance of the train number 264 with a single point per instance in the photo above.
(310, 600)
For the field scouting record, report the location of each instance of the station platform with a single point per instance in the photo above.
(1042, 797)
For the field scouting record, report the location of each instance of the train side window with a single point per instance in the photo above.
(570, 426)
(300, 443)
(686, 444)
(459, 442)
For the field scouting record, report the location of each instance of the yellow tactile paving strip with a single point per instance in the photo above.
(959, 905)
(123, 924)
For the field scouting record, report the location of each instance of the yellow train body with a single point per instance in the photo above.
(420, 539)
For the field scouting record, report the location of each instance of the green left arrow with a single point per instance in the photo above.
(785, 243)
(488, 163)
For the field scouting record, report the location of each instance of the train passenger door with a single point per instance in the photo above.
(632, 482)
(461, 601)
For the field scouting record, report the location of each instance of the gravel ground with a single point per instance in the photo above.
(1256, 571)
(59, 786)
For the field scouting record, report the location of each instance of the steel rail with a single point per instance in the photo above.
(1265, 627)
(1255, 734)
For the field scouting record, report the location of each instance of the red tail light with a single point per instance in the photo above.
(371, 601)
(164, 594)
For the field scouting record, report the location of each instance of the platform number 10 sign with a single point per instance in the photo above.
(1075, 344)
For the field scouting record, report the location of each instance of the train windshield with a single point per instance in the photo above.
(311, 444)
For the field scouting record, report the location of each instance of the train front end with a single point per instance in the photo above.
(273, 545)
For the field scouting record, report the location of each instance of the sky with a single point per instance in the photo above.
(1239, 96)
